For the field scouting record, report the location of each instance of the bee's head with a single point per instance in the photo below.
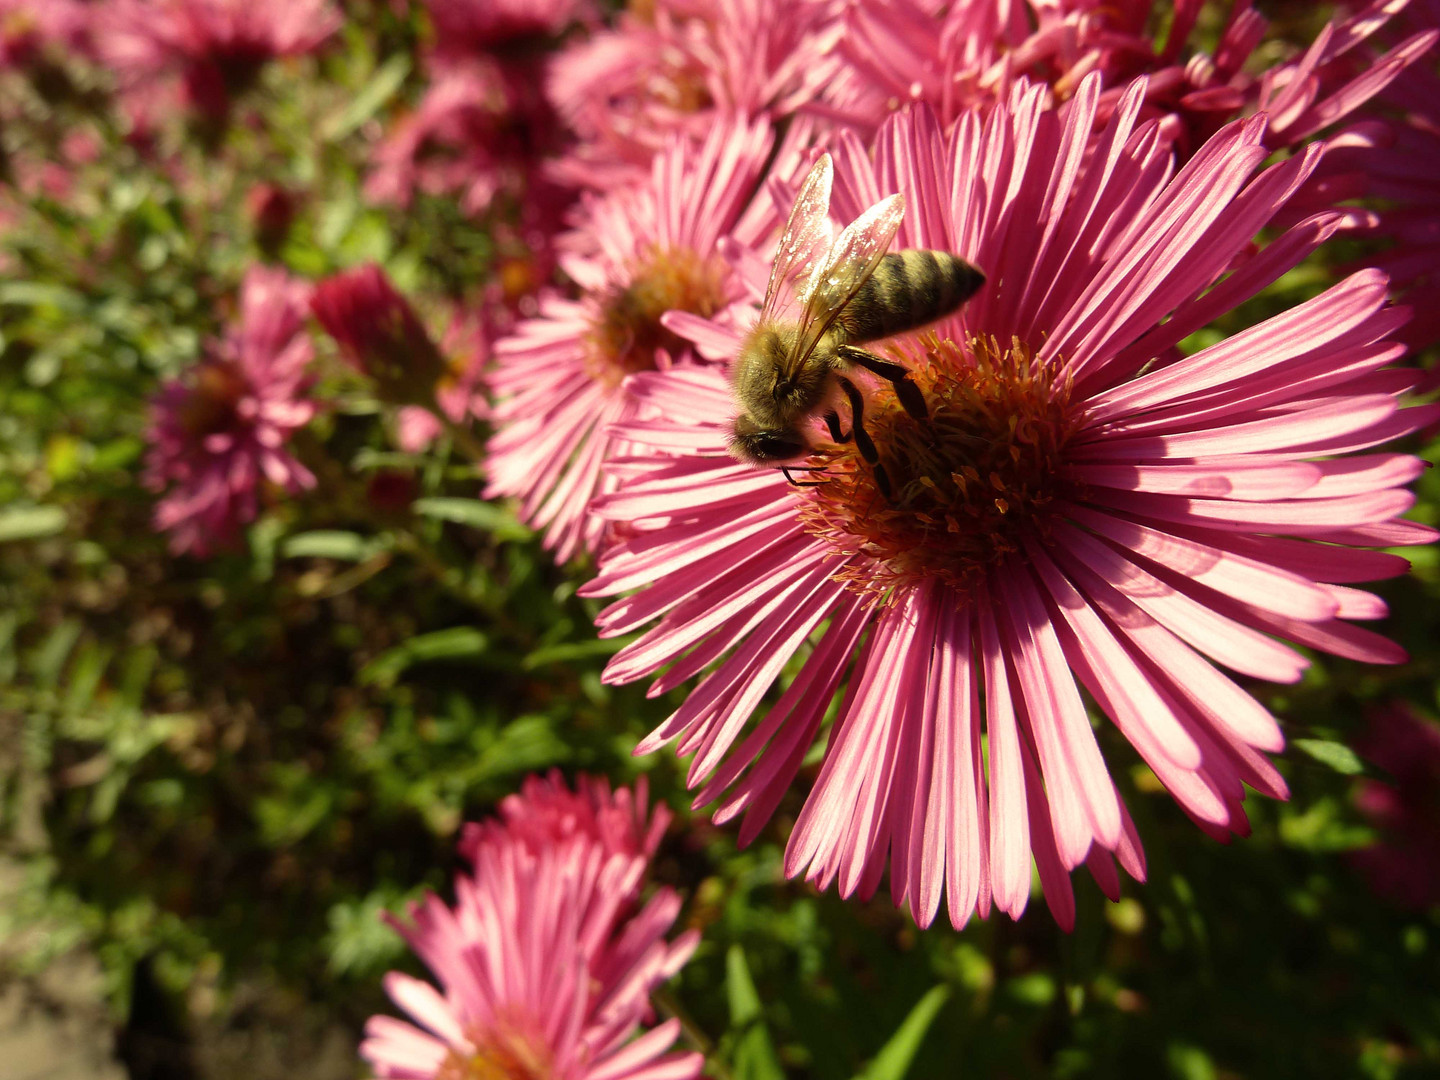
(765, 446)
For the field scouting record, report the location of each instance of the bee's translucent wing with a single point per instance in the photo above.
(849, 264)
(805, 233)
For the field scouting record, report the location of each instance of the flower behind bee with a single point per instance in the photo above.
(559, 378)
(1083, 507)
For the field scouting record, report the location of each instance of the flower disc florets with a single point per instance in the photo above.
(970, 482)
(504, 1054)
(627, 329)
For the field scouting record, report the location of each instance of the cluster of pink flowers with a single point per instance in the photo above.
(549, 957)
(219, 431)
(1090, 514)
(1089, 509)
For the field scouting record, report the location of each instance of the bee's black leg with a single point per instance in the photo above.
(882, 481)
(863, 442)
(832, 421)
(802, 468)
(911, 399)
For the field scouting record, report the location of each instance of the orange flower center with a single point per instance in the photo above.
(627, 331)
(968, 483)
(504, 1054)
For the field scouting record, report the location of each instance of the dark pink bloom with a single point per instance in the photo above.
(464, 28)
(271, 209)
(219, 431)
(215, 47)
(546, 966)
(680, 67)
(1086, 506)
(640, 252)
(1405, 863)
(379, 333)
(1394, 159)
(963, 56)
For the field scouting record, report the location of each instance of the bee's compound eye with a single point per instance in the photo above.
(762, 446)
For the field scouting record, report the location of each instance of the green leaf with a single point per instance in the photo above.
(330, 544)
(524, 745)
(893, 1060)
(569, 651)
(49, 658)
(382, 86)
(31, 522)
(754, 1057)
(478, 515)
(1336, 755)
(456, 643)
(41, 294)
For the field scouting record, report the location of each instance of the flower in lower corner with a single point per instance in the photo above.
(1085, 510)
(547, 964)
(218, 432)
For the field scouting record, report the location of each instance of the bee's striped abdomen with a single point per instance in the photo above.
(908, 289)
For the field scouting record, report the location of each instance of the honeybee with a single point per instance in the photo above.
(852, 292)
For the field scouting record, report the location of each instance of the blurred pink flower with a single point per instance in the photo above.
(215, 47)
(379, 333)
(1085, 502)
(479, 135)
(29, 27)
(640, 252)
(968, 55)
(1395, 161)
(1405, 863)
(220, 429)
(465, 28)
(546, 968)
(680, 67)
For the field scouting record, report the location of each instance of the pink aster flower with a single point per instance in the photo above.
(1085, 507)
(1405, 863)
(558, 380)
(546, 967)
(681, 66)
(220, 429)
(547, 812)
(1394, 160)
(967, 55)
(215, 47)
